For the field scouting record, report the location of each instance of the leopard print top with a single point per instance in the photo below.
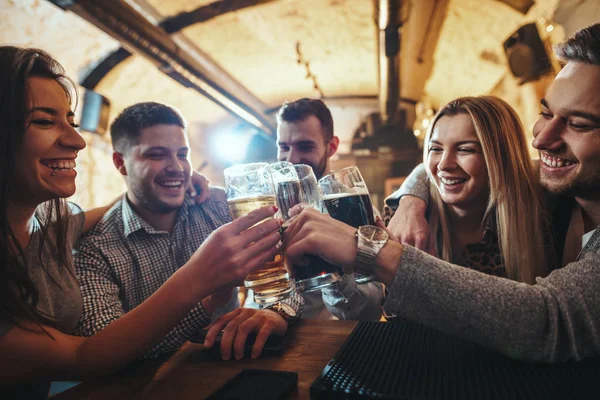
(484, 257)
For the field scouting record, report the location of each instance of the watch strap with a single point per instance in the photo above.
(279, 309)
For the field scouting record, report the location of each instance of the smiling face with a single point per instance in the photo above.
(157, 168)
(456, 163)
(302, 142)
(45, 165)
(567, 134)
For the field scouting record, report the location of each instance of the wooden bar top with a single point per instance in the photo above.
(194, 372)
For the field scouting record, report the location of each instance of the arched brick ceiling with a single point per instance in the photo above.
(257, 46)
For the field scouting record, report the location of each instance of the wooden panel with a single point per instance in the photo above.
(194, 372)
(393, 184)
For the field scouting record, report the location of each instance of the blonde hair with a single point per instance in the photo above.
(515, 198)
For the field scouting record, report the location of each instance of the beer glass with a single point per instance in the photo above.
(347, 199)
(295, 185)
(249, 187)
(279, 165)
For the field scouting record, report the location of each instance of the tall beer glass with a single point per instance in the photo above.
(249, 187)
(347, 199)
(295, 185)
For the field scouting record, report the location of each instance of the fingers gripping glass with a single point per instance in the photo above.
(249, 187)
(347, 199)
(297, 185)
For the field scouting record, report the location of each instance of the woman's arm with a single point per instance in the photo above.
(94, 215)
(30, 354)
(225, 258)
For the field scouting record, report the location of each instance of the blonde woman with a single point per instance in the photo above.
(485, 211)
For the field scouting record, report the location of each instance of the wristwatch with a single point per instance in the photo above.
(286, 311)
(370, 240)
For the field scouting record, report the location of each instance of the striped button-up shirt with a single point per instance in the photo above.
(123, 260)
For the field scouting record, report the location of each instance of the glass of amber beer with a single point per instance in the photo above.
(294, 185)
(249, 187)
(347, 199)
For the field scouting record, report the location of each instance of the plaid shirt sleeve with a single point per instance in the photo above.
(102, 304)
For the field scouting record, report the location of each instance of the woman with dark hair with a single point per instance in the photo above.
(39, 295)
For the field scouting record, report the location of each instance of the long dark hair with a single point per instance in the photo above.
(18, 295)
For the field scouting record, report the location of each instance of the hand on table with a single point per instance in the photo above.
(238, 324)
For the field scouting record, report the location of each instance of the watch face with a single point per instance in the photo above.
(373, 233)
(288, 309)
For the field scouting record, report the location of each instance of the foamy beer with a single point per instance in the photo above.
(297, 185)
(347, 199)
(249, 187)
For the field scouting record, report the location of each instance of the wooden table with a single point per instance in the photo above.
(194, 372)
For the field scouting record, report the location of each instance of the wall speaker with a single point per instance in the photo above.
(527, 56)
(94, 116)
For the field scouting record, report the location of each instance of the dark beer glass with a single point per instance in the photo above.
(296, 185)
(347, 199)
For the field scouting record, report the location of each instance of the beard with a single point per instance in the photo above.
(151, 201)
(578, 187)
(320, 170)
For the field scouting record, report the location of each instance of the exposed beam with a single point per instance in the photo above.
(137, 34)
(91, 80)
(210, 68)
(173, 25)
(202, 14)
(420, 35)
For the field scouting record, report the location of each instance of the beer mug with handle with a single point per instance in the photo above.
(297, 185)
(249, 187)
(347, 199)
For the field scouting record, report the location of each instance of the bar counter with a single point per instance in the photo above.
(194, 372)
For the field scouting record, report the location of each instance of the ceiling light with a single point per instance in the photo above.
(231, 146)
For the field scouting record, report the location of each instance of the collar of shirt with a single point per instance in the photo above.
(132, 222)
